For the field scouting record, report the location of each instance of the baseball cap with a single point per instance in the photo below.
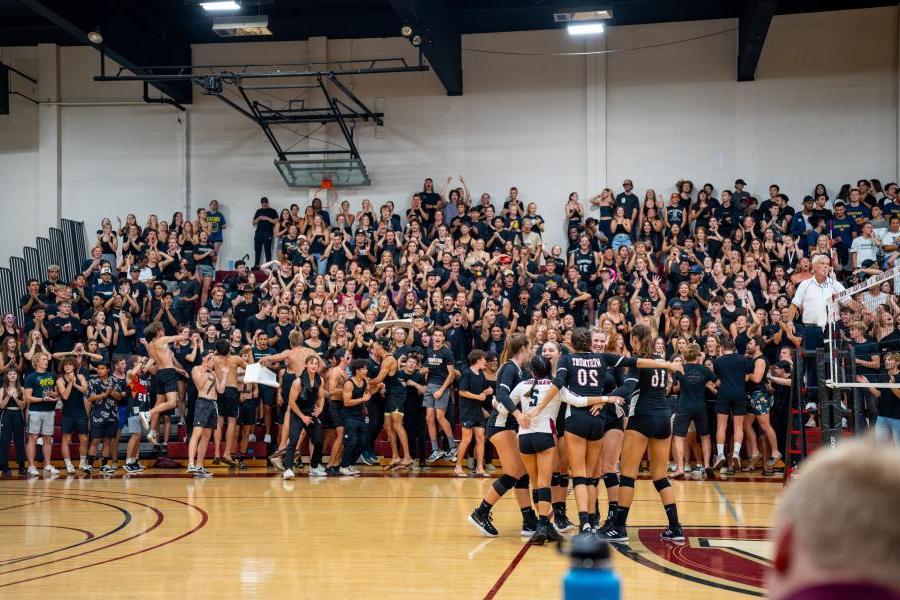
(839, 203)
(105, 270)
(135, 269)
(740, 182)
(263, 200)
(696, 270)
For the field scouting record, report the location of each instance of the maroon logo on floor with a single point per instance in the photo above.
(731, 558)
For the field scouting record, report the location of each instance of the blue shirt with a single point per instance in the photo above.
(40, 384)
(217, 222)
(859, 212)
(843, 229)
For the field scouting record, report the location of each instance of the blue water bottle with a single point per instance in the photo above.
(591, 576)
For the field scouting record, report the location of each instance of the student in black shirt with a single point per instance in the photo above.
(887, 425)
(731, 369)
(474, 392)
(265, 219)
(868, 362)
(440, 364)
(691, 406)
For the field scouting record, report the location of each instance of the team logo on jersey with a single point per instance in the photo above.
(728, 558)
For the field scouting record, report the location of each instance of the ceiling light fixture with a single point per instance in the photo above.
(406, 31)
(241, 26)
(584, 28)
(416, 40)
(95, 37)
(220, 6)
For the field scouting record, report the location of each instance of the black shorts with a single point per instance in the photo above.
(230, 403)
(533, 443)
(166, 381)
(395, 404)
(685, 415)
(652, 425)
(206, 413)
(247, 415)
(491, 427)
(75, 424)
(471, 414)
(267, 395)
(585, 425)
(731, 405)
(560, 422)
(103, 429)
(334, 413)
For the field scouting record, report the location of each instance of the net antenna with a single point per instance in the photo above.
(318, 97)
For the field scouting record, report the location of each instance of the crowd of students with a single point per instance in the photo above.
(392, 320)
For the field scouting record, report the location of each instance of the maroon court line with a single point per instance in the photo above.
(204, 518)
(509, 569)
(26, 504)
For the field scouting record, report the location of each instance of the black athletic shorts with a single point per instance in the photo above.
(166, 381)
(731, 405)
(247, 415)
(584, 425)
(685, 415)
(652, 425)
(471, 417)
(492, 428)
(103, 429)
(267, 395)
(74, 424)
(334, 413)
(230, 403)
(533, 443)
(206, 413)
(395, 404)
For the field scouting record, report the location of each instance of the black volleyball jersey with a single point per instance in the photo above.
(650, 395)
(584, 373)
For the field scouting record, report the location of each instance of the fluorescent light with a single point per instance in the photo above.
(221, 5)
(591, 15)
(241, 26)
(584, 28)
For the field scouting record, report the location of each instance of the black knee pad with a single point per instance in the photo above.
(595, 481)
(523, 482)
(661, 484)
(503, 484)
(542, 495)
(535, 496)
(576, 481)
(610, 480)
(564, 480)
(625, 481)
(554, 480)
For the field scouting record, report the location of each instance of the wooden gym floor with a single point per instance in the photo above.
(165, 535)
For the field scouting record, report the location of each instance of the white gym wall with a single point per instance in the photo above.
(823, 108)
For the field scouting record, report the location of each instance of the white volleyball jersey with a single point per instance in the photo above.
(528, 394)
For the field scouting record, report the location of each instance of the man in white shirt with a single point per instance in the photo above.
(890, 240)
(864, 248)
(813, 298)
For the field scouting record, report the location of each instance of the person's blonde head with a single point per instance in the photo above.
(838, 520)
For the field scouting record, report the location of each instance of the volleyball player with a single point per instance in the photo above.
(501, 431)
(731, 368)
(394, 402)
(691, 407)
(334, 389)
(473, 392)
(72, 386)
(582, 373)
(649, 425)
(354, 414)
(613, 428)
(210, 382)
(306, 400)
(559, 481)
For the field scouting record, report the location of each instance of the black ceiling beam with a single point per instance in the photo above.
(128, 37)
(443, 40)
(753, 27)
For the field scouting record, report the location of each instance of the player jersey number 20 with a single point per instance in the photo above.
(588, 377)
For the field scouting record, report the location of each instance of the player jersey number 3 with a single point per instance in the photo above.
(588, 377)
